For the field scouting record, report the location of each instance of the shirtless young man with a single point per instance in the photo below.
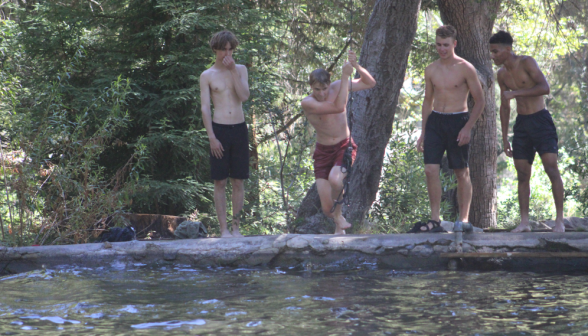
(325, 109)
(520, 78)
(226, 83)
(447, 126)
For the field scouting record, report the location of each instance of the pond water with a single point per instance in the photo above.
(180, 300)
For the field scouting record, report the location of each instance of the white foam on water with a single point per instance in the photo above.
(58, 320)
(31, 317)
(28, 328)
(236, 313)
(168, 324)
(95, 315)
(129, 309)
(253, 324)
(118, 265)
(438, 293)
(22, 275)
(210, 301)
(323, 298)
(17, 322)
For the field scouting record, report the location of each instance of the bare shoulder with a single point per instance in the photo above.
(205, 75)
(335, 85)
(500, 73)
(241, 67)
(466, 66)
(528, 62)
(306, 101)
(431, 67)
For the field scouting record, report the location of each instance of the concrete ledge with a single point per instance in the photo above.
(400, 251)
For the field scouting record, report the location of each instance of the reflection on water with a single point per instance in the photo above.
(180, 300)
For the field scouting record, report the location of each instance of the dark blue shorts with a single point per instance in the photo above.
(235, 160)
(441, 134)
(534, 133)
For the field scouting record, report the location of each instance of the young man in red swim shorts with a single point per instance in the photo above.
(325, 109)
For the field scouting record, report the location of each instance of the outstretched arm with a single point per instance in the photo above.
(365, 80)
(504, 114)
(541, 87)
(239, 74)
(477, 93)
(427, 109)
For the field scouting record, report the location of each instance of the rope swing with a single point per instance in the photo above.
(347, 156)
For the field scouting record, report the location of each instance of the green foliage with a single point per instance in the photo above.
(100, 109)
(401, 204)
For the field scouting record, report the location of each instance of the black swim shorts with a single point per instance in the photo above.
(235, 160)
(441, 134)
(534, 133)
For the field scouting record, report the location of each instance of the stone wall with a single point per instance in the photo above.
(400, 251)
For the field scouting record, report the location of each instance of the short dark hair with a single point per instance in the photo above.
(502, 37)
(220, 39)
(446, 31)
(321, 76)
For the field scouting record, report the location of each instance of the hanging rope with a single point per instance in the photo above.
(347, 156)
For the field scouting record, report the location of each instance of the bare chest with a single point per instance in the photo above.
(448, 81)
(518, 79)
(221, 83)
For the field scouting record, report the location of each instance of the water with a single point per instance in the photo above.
(180, 300)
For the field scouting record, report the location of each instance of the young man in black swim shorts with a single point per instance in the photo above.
(226, 83)
(520, 78)
(447, 125)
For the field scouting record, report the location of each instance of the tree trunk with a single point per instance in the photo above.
(386, 46)
(474, 20)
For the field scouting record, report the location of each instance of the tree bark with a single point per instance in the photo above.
(474, 20)
(387, 43)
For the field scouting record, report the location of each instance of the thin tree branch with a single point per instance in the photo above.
(281, 129)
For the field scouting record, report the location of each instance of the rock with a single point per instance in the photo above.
(571, 223)
(538, 225)
(448, 226)
(190, 230)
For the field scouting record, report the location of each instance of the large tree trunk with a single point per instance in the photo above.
(388, 39)
(474, 20)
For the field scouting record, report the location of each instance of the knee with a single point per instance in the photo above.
(552, 172)
(336, 181)
(431, 171)
(237, 185)
(220, 183)
(462, 174)
(523, 176)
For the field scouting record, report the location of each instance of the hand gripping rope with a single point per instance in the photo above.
(347, 156)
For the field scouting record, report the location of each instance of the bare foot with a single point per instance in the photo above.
(236, 233)
(226, 234)
(559, 227)
(341, 224)
(522, 228)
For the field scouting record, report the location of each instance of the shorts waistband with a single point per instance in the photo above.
(451, 113)
(337, 145)
(229, 125)
(524, 116)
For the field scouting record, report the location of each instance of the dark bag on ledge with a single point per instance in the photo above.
(116, 234)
